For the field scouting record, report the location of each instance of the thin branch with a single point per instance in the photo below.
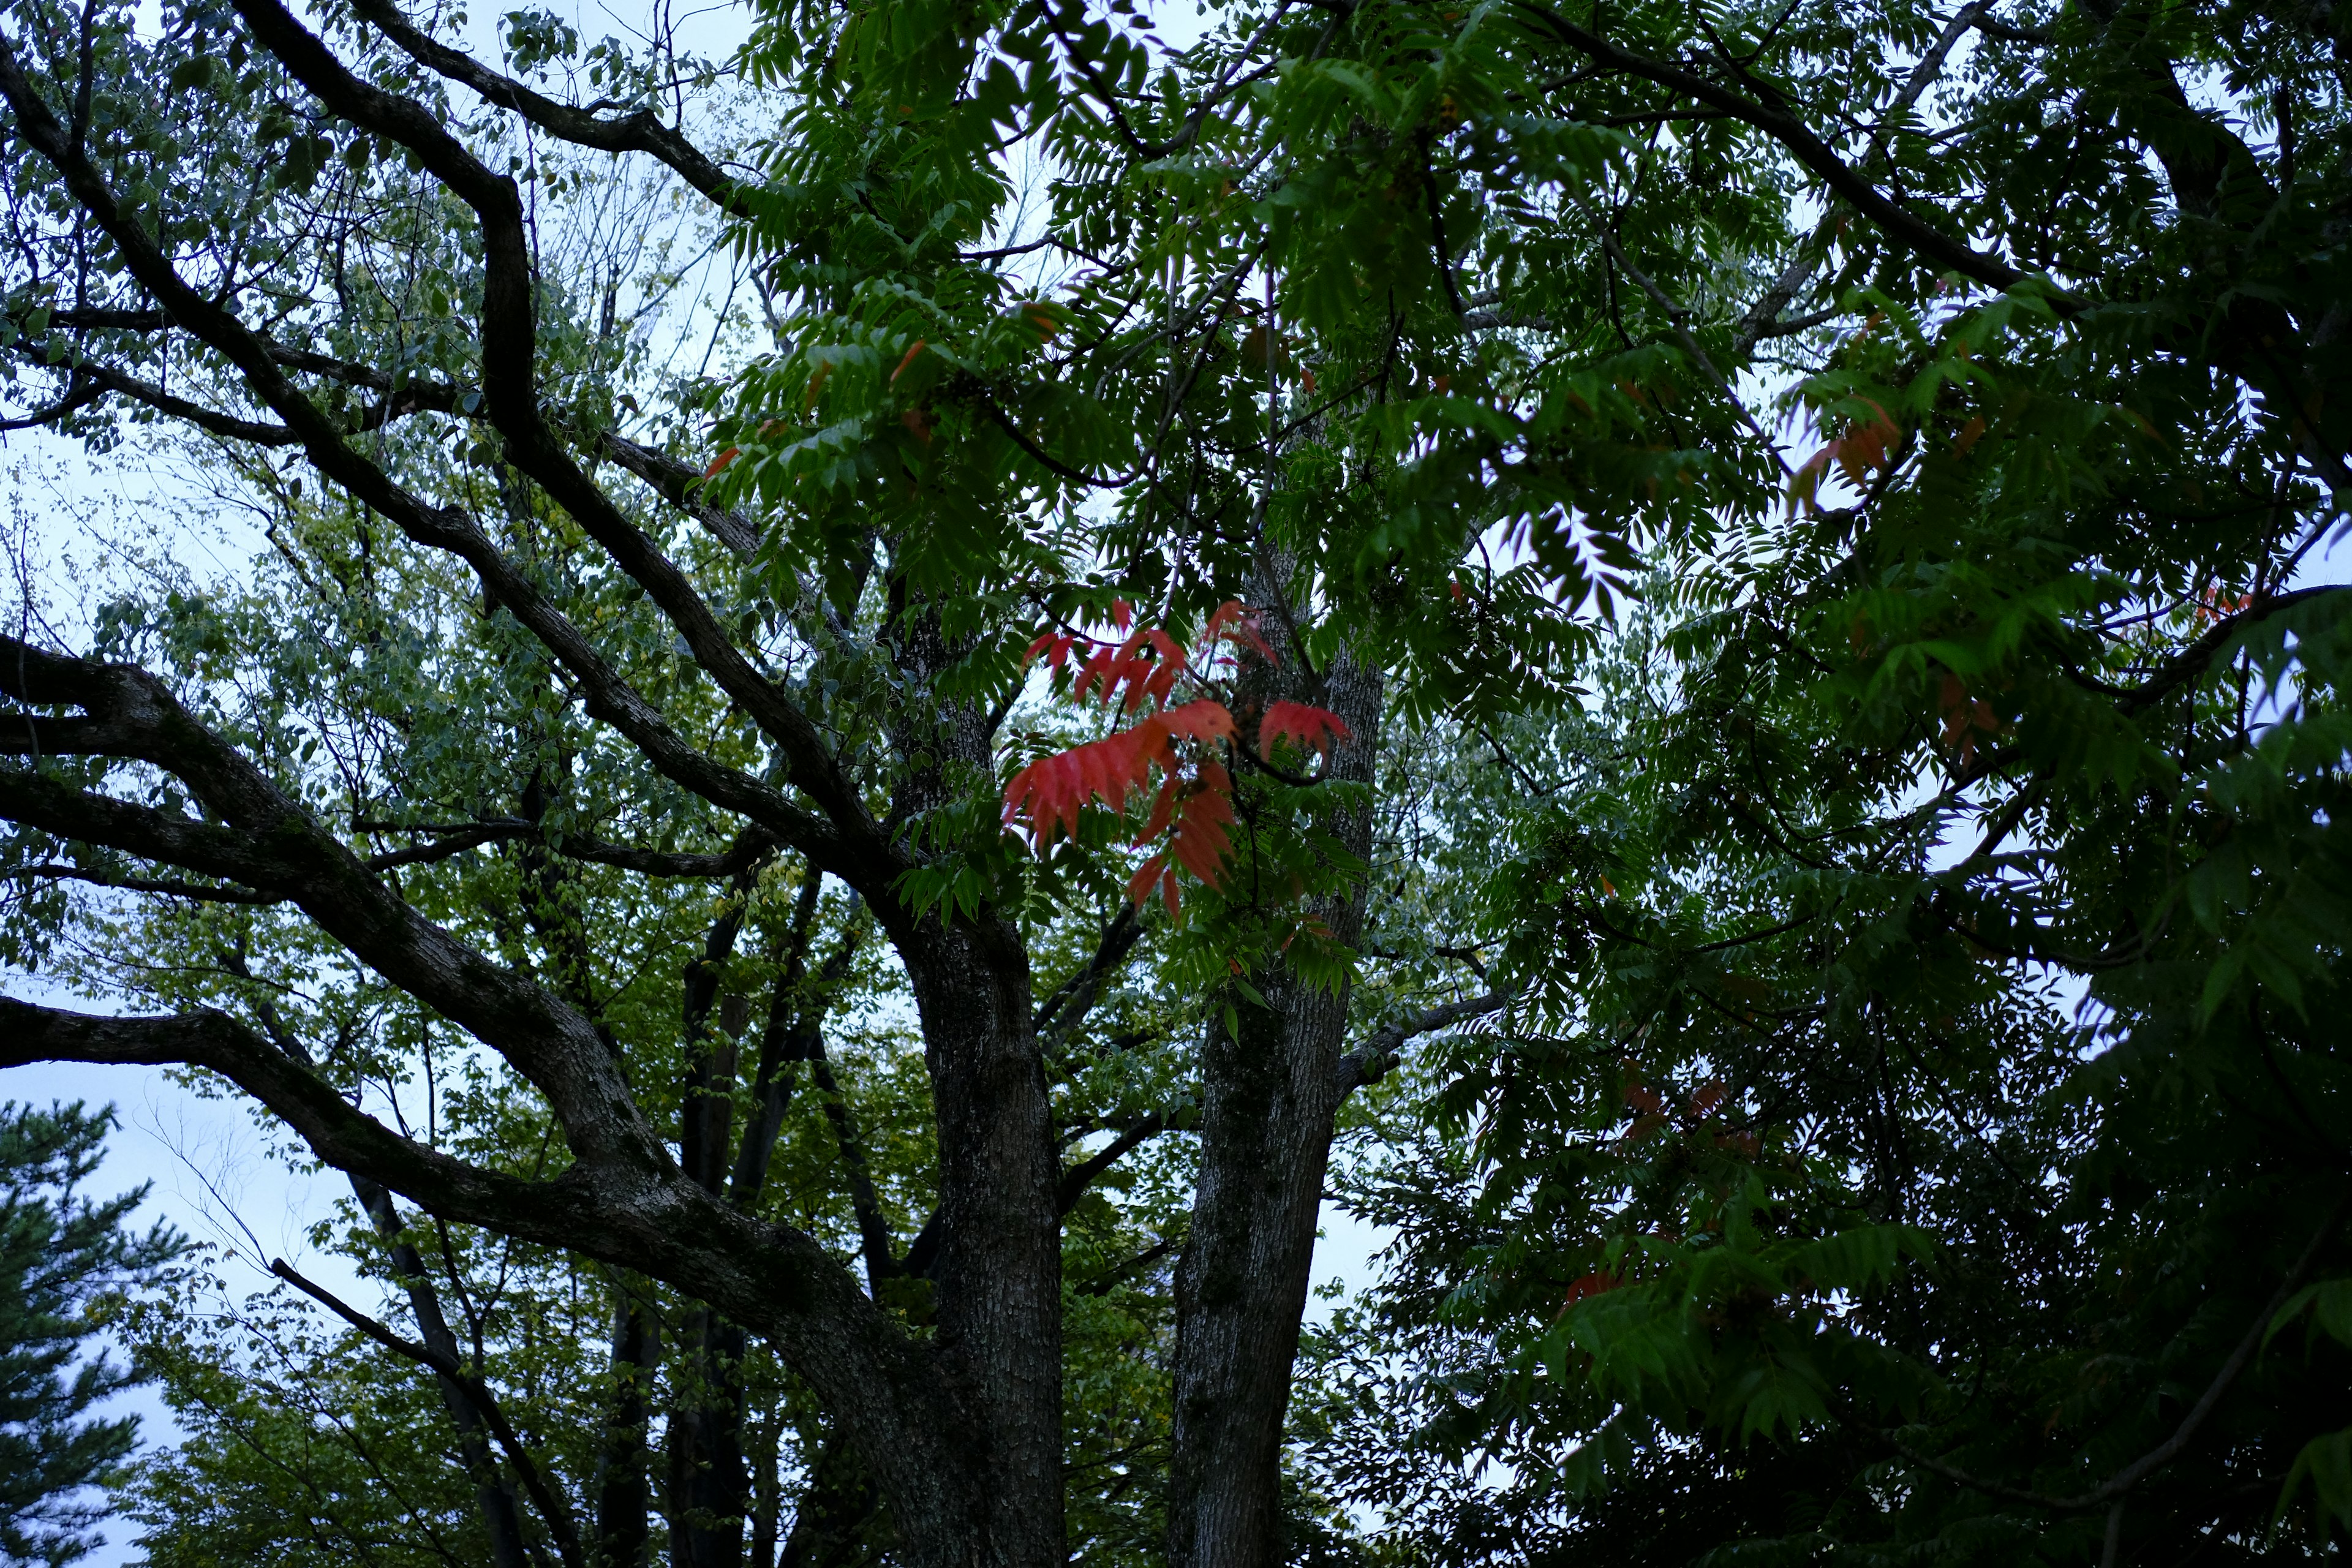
(551, 1507)
(639, 132)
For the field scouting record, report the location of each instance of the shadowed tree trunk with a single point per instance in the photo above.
(1271, 1091)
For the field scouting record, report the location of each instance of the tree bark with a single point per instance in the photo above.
(1271, 1090)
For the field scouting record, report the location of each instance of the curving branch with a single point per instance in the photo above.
(754, 847)
(2192, 661)
(2115, 1486)
(642, 132)
(511, 400)
(1847, 182)
(1377, 1057)
(172, 887)
(603, 692)
(94, 381)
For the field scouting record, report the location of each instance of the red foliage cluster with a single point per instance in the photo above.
(1865, 446)
(1194, 803)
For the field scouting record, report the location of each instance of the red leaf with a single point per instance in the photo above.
(1056, 645)
(721, 461)
(1234, 620)
(1311, 727)
(1203, 720)
(1593, 1284)
(907, 361)
(1121, 614)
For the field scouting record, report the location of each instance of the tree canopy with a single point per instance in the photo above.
(65, 1264)
(1686, 651)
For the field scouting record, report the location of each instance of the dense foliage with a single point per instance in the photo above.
(1701, 636)
(65, 1263)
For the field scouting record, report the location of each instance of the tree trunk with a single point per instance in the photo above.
(997, 1276)
(709, 1489)
(624, 1492)
(1271, 1091)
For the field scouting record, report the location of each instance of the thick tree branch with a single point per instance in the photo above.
(1377, 1057)
(774, 1279)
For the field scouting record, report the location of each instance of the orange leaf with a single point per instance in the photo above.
(907, 361)
(721, 461)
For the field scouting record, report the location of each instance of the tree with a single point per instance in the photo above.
(1366, 361)
(847, 725)
(64, 1263)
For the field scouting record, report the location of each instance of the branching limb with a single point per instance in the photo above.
(1067, 1006)
(551, 1504)
(605, 694)
(642, 132)
(262, 839)
(510, 398)
(1082, 1176)
(1678, 314)
(1377, 1057)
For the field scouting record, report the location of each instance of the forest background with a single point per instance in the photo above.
(1810, 913)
